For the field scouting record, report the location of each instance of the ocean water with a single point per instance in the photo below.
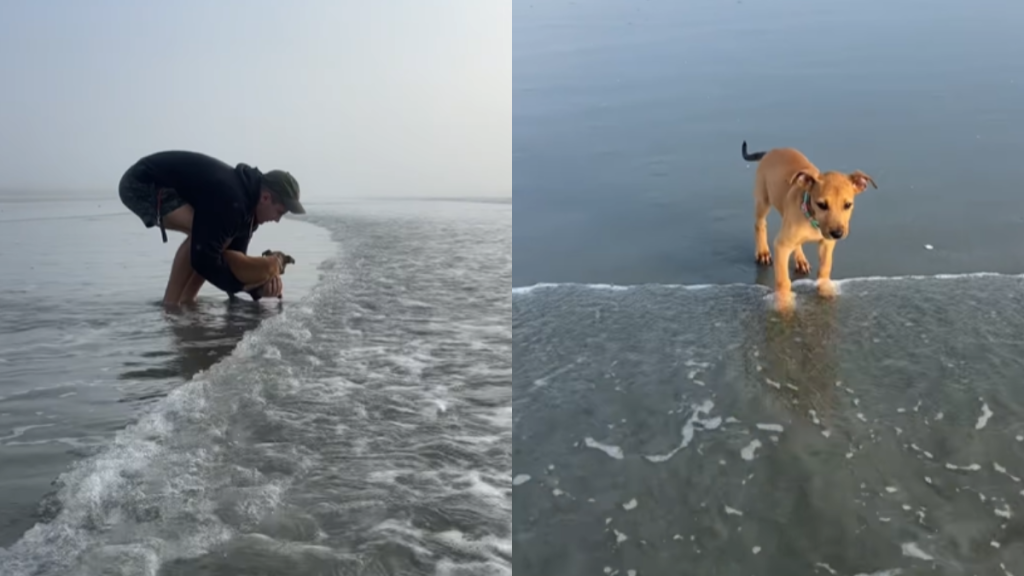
(666, 419)
(628, 118)
(692, 430)
(361, 425)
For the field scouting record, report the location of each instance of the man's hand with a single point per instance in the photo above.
(273, 288)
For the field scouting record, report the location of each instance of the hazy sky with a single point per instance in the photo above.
(356, 98)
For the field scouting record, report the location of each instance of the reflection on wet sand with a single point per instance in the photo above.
(799, 356)
(201, 336)
(660, 426)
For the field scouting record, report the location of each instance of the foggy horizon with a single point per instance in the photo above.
(357, 100)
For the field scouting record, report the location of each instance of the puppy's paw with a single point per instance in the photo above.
(802, 265)
(785, 302)
(764, 257)
(826, 289)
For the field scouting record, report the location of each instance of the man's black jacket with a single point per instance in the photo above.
(224, 201)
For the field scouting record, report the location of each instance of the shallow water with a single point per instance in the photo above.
(668, 429)
(662, 429)
(628, 118)
(362, 427)
(84, 344)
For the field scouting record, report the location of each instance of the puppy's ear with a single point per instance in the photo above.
(268, 252)
(803, 178)
(860, 181)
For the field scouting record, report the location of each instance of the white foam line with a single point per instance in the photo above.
(521, 290)
(733, 511)
(748, 452)
(968, 468)
(986, 413)
(688, 430)
(1002, 470)
(19, 431)
(912, 550)
(1004, 512)
(613, 451)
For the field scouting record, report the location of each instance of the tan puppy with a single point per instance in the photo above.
(254, 271)
(283, 258)
(814, 206)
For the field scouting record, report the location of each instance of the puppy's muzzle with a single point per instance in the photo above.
(837, 233)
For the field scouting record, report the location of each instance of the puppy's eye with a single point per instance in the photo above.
(823, 205)
(847, 205)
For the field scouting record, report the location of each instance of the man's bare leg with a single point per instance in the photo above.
(181, 270)
(191, 290)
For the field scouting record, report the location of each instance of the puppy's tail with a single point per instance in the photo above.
(751, 157)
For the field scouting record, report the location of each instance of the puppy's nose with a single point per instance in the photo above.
(836, 233)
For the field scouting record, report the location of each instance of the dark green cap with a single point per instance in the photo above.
(286, 188)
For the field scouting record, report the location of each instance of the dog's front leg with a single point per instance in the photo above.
(825, 286)
(783, 286)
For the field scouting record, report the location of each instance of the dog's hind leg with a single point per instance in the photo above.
(762, 206)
